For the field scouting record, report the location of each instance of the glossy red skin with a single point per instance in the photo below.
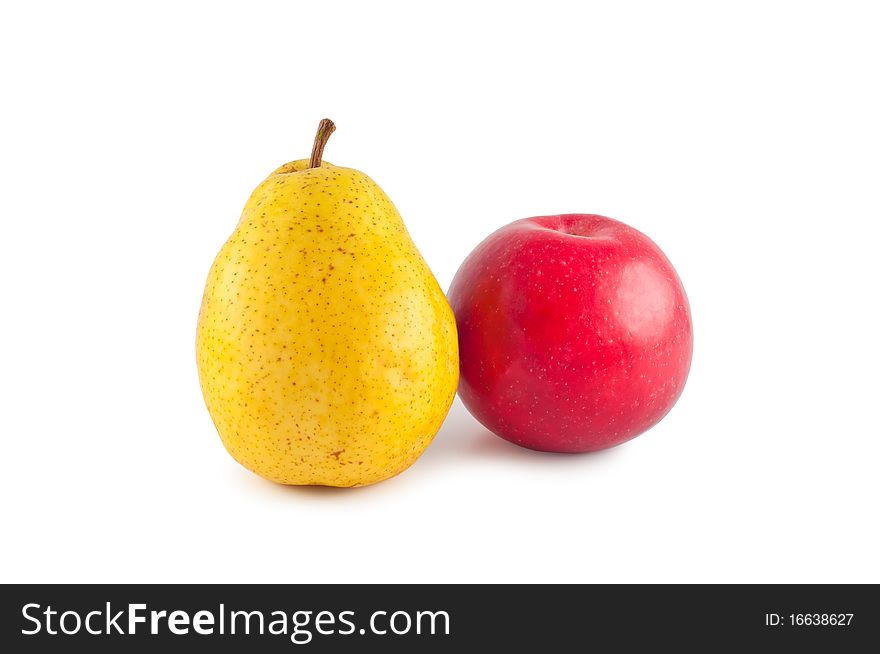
(574, 333)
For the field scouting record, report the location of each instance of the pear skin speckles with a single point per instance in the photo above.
(327, 353)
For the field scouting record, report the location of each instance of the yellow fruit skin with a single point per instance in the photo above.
(327, 352)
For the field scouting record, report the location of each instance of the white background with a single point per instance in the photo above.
(742, 137)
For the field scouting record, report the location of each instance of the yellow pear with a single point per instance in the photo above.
(327, 353)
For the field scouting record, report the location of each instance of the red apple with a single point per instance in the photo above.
(574, 332)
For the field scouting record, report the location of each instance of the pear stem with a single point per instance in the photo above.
(325, 129)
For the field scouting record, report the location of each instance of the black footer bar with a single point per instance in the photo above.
(428, 618)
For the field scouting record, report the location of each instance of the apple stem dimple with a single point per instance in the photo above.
(325, 129)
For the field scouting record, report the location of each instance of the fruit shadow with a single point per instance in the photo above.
(462, 439)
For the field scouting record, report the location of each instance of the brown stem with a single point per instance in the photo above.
(325, 129)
